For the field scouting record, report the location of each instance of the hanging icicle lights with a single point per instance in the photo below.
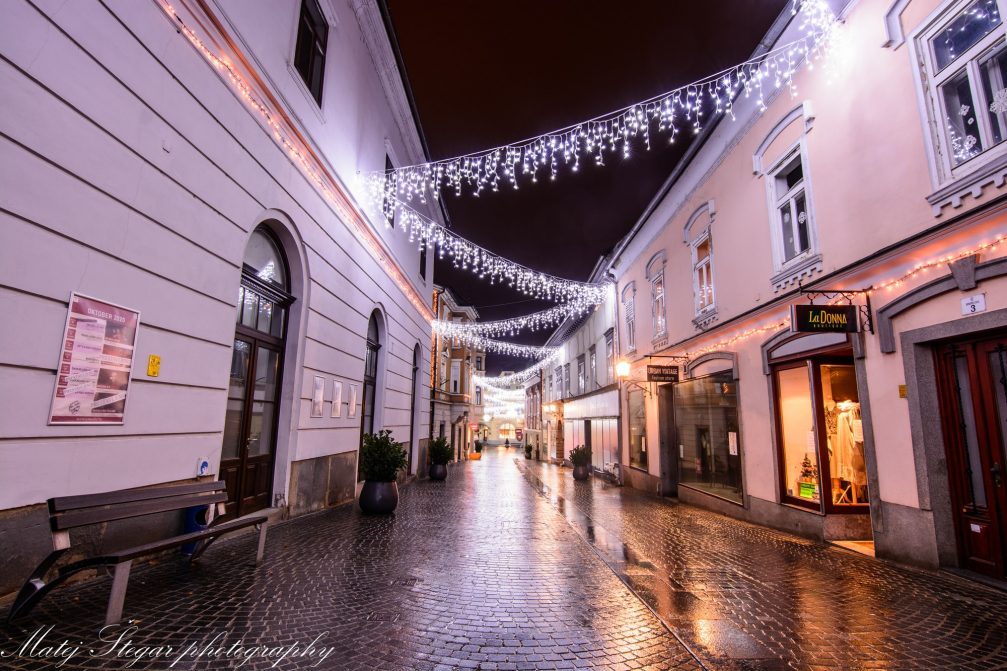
(686, 106)
(469, 256)
(513, 326)
(502, 347)
(518, 379)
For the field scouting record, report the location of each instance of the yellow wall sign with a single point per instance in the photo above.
(153, 365)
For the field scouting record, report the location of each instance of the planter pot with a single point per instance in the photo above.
(475, 456)
(379, 498)
(581, 472)
(438, 471)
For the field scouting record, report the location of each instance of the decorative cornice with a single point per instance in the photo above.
(372, 28)
(993, 174)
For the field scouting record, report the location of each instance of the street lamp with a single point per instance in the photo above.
(622, 369)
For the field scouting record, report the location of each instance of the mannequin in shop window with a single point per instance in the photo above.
(846, 452)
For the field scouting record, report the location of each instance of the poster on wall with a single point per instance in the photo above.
(318, 397)
(351, 407)
(337, 398)
(92, 381)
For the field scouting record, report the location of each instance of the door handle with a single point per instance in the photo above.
(996, 474)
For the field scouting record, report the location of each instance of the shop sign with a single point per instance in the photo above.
(825, 318)
(662, 373)
(92, 381)
(518, 434)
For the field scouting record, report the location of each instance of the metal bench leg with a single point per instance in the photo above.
(118, 595)
(262, 543)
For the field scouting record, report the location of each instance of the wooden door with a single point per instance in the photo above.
(972, 384)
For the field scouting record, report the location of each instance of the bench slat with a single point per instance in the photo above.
(85, 516)
(66, 503)
(156, 546)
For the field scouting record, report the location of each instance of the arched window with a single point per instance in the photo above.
(370, 373)
(253, 396)
(413, 392)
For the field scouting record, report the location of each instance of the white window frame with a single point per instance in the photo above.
(781, 264)
(706, 235)
(658, 297)
(629, 312)
(592, 354)
(929, 82)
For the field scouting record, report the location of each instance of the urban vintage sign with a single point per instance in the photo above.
(662, 373)
(825, 318)
(95, 363)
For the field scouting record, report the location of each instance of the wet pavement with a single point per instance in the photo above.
(745, 597)
(510, 564)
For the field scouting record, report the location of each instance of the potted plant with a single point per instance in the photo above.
(381, 458)
(440, 455)
(478, 453)
(527, 451)
(580, 457)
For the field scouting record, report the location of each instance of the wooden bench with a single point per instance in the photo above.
(69, 512)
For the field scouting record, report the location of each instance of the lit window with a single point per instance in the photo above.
(629, 310)
(593, 356)
(655, 273)
(964, 65)
(702, 273)
(794, 226)
(581, 375)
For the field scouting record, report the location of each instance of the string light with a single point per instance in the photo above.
(485, 264)
(279, 128)
(503, 347)
(886, 285)
(614, 132)
(519, 378)
(513, 326)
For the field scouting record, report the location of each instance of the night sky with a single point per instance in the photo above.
(485, 74)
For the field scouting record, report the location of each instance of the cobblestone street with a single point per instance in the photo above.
(515, 566)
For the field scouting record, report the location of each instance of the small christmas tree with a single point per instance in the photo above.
(809, 471)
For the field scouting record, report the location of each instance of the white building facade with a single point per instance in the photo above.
(198, 164)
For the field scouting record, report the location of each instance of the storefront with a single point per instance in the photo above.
(818, 430)
(592, 420)
(705, 411)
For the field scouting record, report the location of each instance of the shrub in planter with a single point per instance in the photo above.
(381, 458)
(440, 455)
(479, 446)
(478, 453)
(527, 451)
(580, 457)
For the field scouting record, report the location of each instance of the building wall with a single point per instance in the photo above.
(135, 173)
(878, 208)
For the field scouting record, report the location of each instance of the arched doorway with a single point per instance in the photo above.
(413, 393)
(253, 399)
(370, 382)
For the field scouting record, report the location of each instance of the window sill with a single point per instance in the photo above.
(798, 269)
(303, 88)
(991, 173)
(705, 318)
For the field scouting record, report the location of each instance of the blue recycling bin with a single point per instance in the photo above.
(195, 520)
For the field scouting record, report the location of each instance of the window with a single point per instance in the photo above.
(456, 373)
(965, 61)
(548, 387)
(423, 261)
(702, 273)
(593, 366)
(793, 229)
(820, 434)
(388, 206)
(479, 363)
(581, 375)
(309, 52)
(637, 429)
(479, 395)
(566, 380)
(629, 309)
(559, 382)
(610, 355)
(655, 273)
(706, 421)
